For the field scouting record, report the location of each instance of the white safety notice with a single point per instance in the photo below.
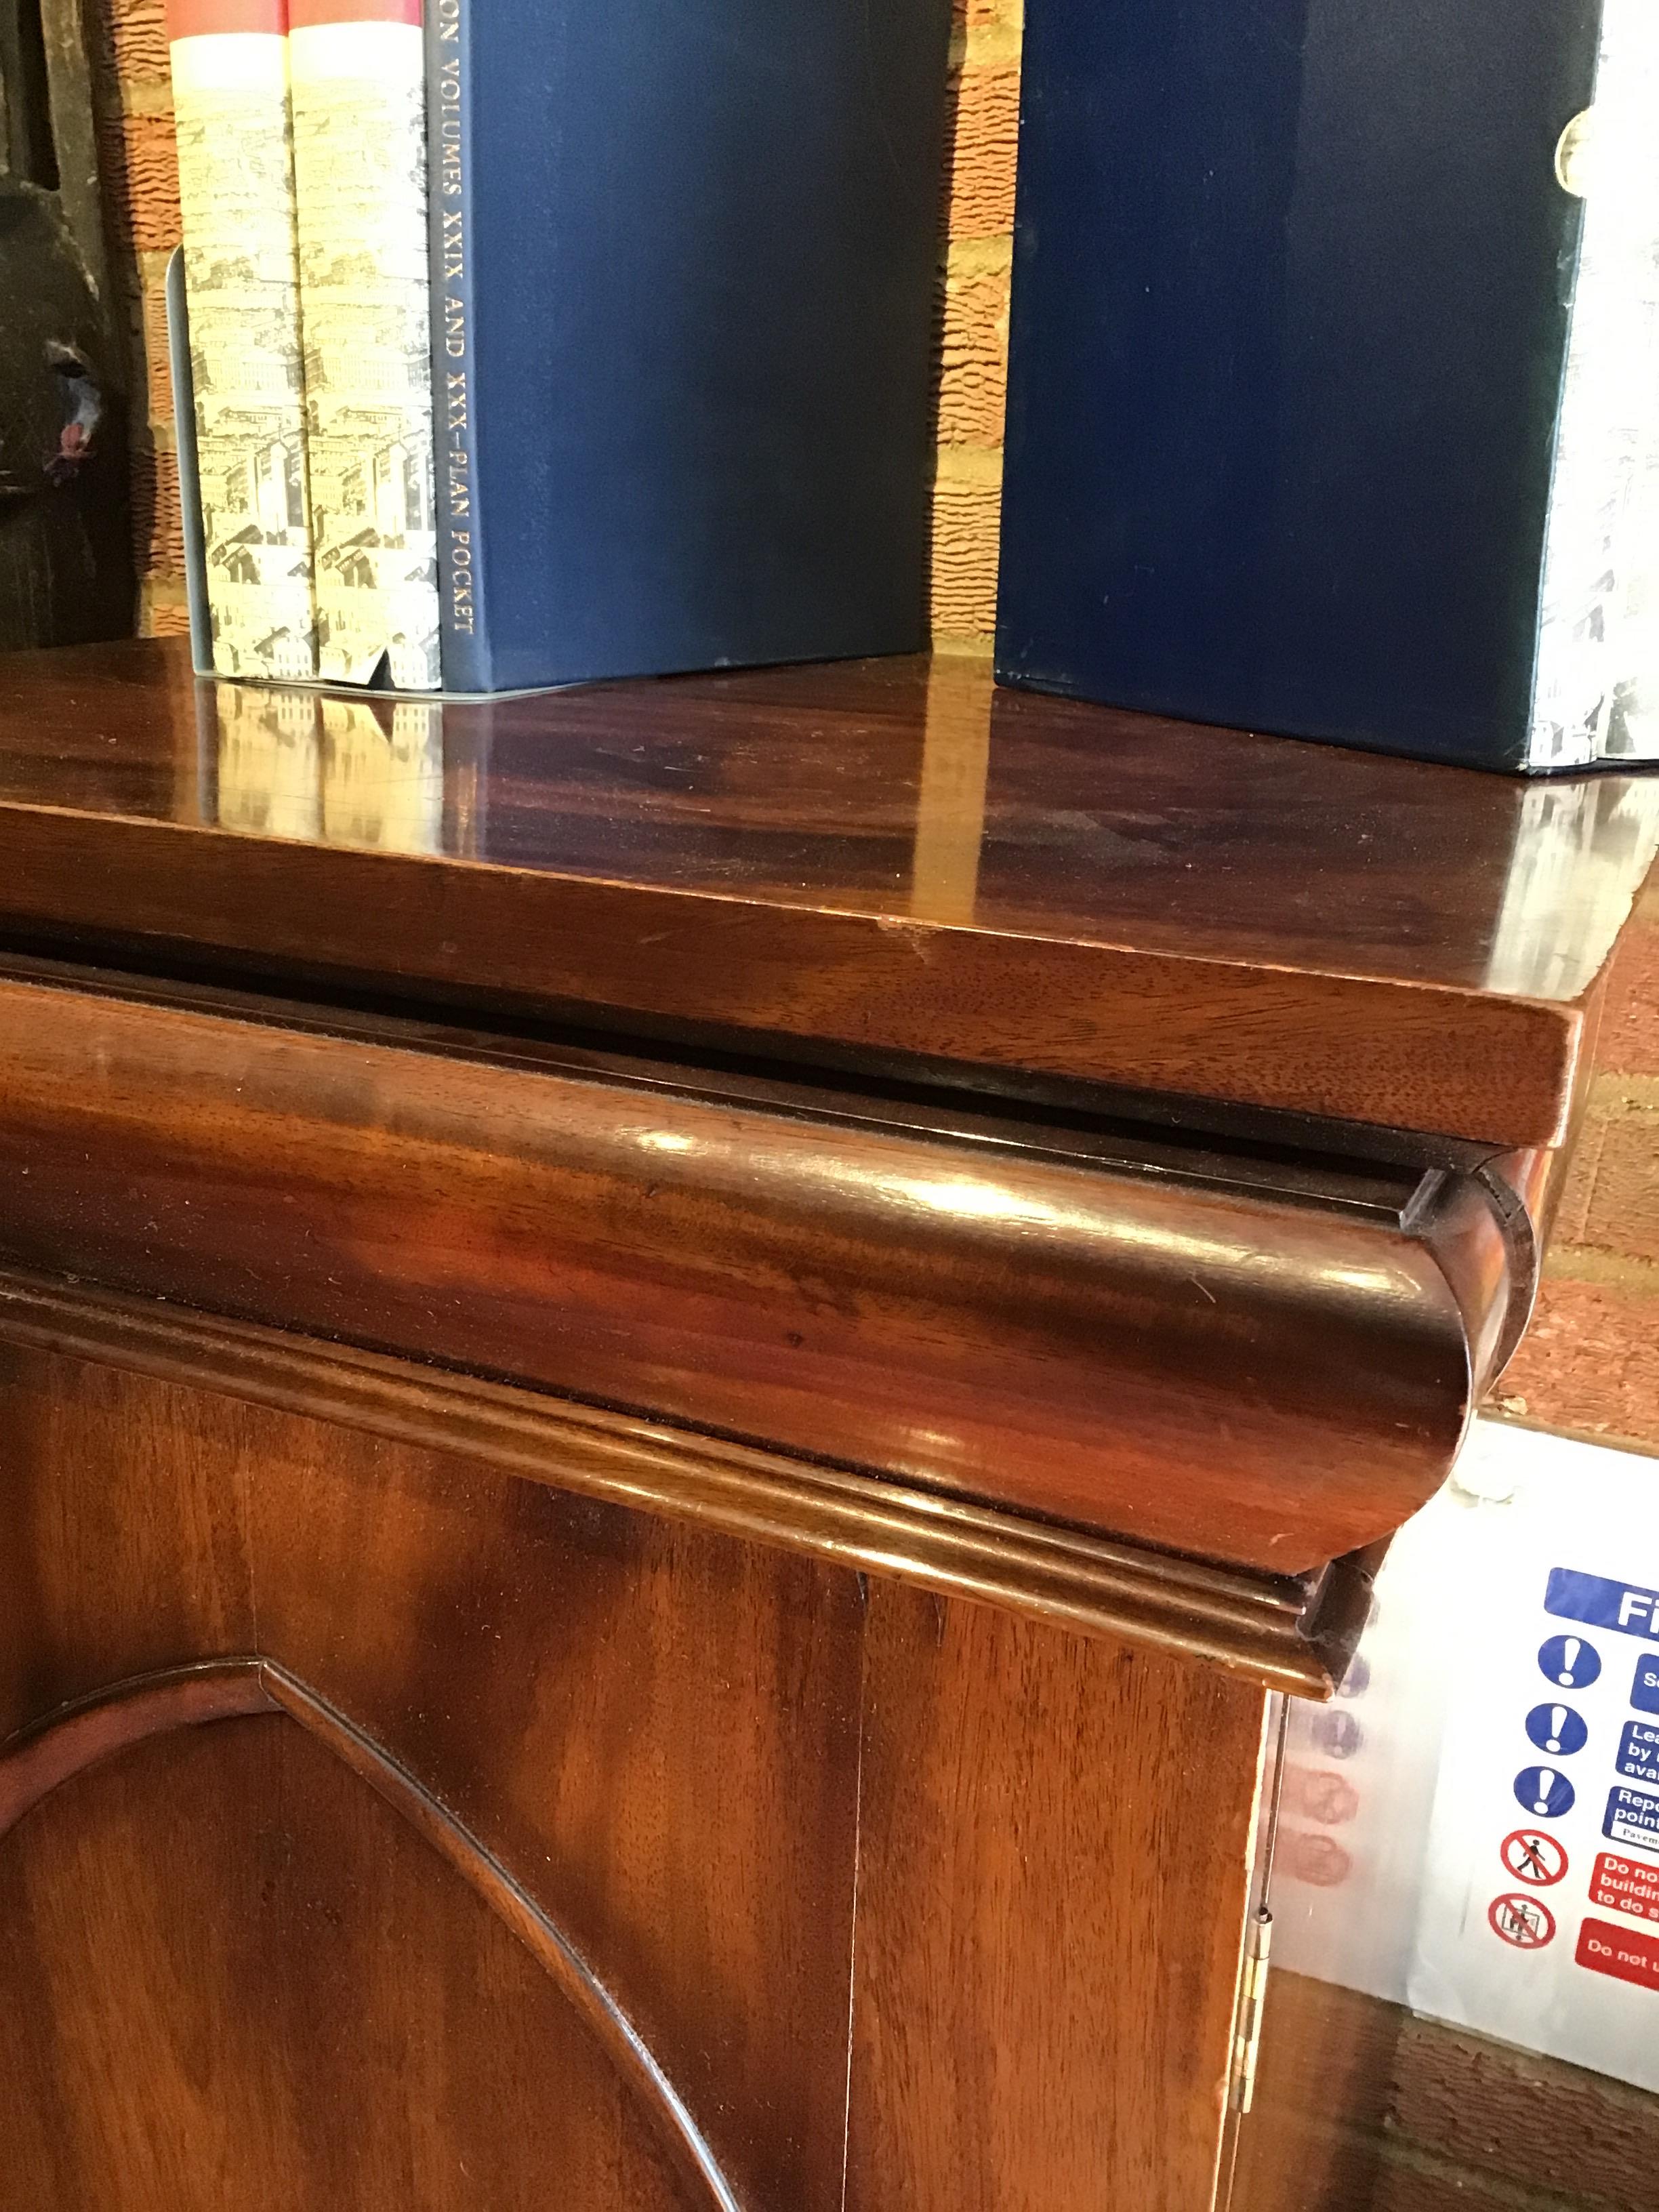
(1473, 1828)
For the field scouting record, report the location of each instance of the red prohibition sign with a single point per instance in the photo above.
(1521, 1921)
(1531, 1856)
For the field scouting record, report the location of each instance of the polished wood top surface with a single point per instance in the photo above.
(887, 859)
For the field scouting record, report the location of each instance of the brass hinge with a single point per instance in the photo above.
(1252, 1999)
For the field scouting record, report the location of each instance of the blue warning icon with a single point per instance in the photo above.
(1543, 1791)
(1570, 1660)
(1557, 1730)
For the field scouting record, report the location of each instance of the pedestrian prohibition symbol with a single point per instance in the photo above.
(1531, 1856)
(1521, 1921)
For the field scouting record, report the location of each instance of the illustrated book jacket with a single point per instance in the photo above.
(1334, 397)
(357, 72)
(683, 270)
(229, 63)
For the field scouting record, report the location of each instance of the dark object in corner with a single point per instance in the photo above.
(66, 569)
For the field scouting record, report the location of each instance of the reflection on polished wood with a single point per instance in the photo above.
(1288, 1633)
(678, 1365)
(956, 762)
(1253, 1359)
(791, 855)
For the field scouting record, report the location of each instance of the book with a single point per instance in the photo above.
(1333, 395)
(1598, 646)
(357, 76)
(682, 270)
(229, 65)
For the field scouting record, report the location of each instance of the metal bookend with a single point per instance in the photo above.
(190, 482)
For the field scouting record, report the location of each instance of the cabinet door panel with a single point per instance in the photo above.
(122, 1530)
(650, 1729)
(653, 1728)
(1059, 2038)
(232, 1974)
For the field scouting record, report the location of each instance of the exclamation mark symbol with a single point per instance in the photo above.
(1570, 1652)
(1547, 1779)
(1558, 1722)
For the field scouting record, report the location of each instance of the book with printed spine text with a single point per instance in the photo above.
(683, 271)
(1334, 382)
(229, 66)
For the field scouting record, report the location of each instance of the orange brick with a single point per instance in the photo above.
(164, 614)
(157, 512)
(139, 160)
(964, 585)
(138, 34)
(153, 339)
(984, 98)
(1588, 1366)
(1401, 2183)
(973, 363)
(1622, 1212)
(166, 536)
(1530, 2122)
(1630, 1020)
(985, 15)
(1582, 1161)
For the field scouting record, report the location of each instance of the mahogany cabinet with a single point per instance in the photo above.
(682, 1369)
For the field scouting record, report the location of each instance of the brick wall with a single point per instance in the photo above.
(983, 108)
(134, 98)
(1362, 2107)
(1590, 1366)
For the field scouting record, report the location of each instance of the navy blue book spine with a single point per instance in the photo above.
(463, 644)
(684, 262)
(1291, 299)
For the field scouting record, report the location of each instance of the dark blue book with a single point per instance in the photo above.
(682, 262)
(1332, 405)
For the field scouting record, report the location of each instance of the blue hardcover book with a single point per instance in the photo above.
(683, 266)
(1333, 402)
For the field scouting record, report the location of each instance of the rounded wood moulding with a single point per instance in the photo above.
(1241, 1359)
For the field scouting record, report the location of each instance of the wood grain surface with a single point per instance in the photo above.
(1239, 1359)
(1044, 2032)
(233, 1976)
(1289, 1633)
(652, 1731)
(582, 1614)
(95, 1731)
(1363, 2106)
(795, 1827)
(1146, 904)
